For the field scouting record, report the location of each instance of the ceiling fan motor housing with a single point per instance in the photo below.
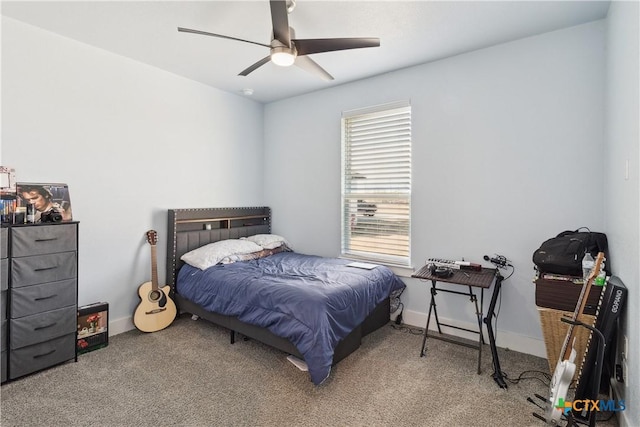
(281, 54)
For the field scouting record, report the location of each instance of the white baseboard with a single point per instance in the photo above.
(617, 393)
(504, 339)
(121, 325)
(623, 419)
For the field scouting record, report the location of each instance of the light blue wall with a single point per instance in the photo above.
(622, 192)
(507, 152)
(131, 141)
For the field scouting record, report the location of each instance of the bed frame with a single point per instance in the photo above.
(189, 229)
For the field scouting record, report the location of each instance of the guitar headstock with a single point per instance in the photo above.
(597, 266)
(152, 237)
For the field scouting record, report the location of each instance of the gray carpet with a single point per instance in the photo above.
(189, 375)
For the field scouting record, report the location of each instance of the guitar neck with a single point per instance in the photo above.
(154, 268)
(582, 302)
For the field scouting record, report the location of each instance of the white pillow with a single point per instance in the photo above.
(211, 254)
(269, 241)
(254, 255)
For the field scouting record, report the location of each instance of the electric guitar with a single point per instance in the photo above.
(566, 368)
(156, 310)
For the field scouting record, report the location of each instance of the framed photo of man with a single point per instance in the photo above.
(47, 202)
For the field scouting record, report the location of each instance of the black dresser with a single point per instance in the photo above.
(4, 286)
(41, 297)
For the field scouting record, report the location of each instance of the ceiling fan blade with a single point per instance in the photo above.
(280, 20)
(311, 66)
(255, 66)
(204, 33)
(309, 46)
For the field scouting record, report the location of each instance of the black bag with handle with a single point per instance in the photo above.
(563, 254)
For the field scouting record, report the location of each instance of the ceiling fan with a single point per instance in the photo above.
(286, 50)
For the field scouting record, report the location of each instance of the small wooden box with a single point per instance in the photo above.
(93, 323)
(563, 295)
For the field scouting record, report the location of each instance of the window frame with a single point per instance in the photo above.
(396, 192)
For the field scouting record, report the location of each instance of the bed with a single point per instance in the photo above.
(261, 297)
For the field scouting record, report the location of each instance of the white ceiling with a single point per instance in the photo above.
(410, 32)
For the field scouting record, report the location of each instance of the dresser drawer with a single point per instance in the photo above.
(43, 239)
(3, 335)
(35, 357)
(4, 246)
(42, 268)
(3, 369)
(4, 274)
(41, 327)
(3, 305)
(34, 299)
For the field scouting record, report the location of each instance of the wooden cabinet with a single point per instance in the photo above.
(42, 296)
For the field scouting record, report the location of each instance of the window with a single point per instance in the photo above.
(376, 184)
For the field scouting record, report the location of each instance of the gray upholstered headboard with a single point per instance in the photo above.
(189, 229)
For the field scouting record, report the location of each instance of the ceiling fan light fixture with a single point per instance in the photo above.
(283, 56)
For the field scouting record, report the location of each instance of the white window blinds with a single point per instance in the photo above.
(376, 183)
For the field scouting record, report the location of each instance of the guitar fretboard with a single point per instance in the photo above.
(582, 301)
(154, 268)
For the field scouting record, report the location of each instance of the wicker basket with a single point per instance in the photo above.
(555, 333)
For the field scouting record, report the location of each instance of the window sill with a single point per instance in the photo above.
(402, 271)
(399, 270)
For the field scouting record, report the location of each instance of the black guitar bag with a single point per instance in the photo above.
(563, 254)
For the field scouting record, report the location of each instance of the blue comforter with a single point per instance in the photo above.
(312, 301)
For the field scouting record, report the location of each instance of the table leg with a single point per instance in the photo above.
(432, 306)
(479, 319)
(482, 314)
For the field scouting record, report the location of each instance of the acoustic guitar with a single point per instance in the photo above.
(156, 310)
(566, 368)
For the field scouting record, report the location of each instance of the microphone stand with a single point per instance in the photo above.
(497, 372)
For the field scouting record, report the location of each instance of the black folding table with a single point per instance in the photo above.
(471, 280)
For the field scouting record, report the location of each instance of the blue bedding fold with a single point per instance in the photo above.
(312, 301)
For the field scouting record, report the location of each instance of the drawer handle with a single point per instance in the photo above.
(44, 354)
(43, 298)
(46, 268)
(45, 327)
(48, 239)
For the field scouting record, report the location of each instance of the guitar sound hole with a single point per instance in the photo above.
(155, 295)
